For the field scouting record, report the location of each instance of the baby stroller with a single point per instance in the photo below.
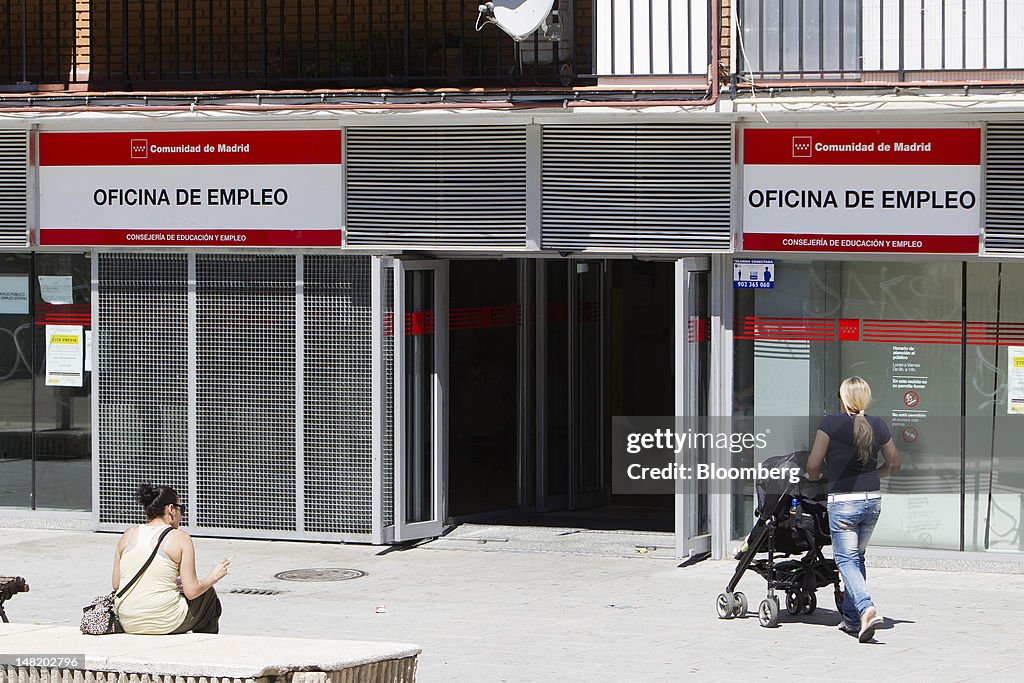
(791, 519)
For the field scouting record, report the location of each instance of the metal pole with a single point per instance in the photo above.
(963, 397)
(32, 384)
(24, 51)
(902, 34)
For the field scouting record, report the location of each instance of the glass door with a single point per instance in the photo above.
(572, 411)
(420, 381)
(45, 381)
(588, 408)
(18, 368)
(553, 424)
(693, 358)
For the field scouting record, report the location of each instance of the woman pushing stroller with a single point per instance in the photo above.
(848, 444)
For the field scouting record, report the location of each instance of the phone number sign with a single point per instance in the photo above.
(753, 274)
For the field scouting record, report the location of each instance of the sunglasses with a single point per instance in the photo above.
(181, 507)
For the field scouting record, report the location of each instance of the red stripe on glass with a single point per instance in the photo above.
(419, 322)
(917, 331)
(47, 306)
(698, 330)
(199, 148)
(484, 317)
(875, 331)
(795, 329)
(995, 334)
(85, 321)
(863, 146)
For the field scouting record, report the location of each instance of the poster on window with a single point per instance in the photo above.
(1015, 380)
(56, 289)
(14, 294)
(64, 355)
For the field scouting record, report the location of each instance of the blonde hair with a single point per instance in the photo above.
(855, 394)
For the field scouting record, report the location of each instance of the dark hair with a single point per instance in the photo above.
(155, 498)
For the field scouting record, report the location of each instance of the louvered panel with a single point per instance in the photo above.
(1004, 188)
(436, 187)
(13, 188)
(653, 187)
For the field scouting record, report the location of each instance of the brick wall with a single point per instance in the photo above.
(724, 34)
(45, 34)
(297, 40)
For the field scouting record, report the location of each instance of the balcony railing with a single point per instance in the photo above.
(881, 40)
(228, 44)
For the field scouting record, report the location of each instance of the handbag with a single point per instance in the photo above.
(99, 617)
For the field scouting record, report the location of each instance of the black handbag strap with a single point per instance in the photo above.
(152, 555)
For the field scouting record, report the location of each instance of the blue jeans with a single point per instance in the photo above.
(851, 523)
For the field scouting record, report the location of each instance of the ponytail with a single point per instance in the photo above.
(855, 394)
(863, 437)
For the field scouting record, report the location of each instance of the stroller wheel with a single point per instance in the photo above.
(794, 602)
(810, 603)
(768, 613)
(726, 606)
(741, 604)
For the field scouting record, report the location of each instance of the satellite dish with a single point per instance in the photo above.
(518, 18)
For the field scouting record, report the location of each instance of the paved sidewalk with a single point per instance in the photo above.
(560, 605)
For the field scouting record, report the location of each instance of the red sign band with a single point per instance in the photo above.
(863, 146)
(190, 238)
(199, 148)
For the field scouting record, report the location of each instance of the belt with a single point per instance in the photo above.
(860, 495)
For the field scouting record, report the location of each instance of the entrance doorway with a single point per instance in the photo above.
(542, 353)
(571, 386)
(485, 325)
(508, 374)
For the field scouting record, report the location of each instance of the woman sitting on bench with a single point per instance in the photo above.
(159, 603)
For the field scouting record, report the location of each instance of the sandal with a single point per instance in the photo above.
(870, 621)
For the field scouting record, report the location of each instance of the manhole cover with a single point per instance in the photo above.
(329, 574)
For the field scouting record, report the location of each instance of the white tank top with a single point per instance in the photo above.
(153, 605)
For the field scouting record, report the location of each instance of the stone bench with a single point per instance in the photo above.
(199, 658)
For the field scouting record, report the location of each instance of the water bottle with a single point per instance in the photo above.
(792, 506)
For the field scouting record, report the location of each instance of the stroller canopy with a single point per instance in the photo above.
(770, 490)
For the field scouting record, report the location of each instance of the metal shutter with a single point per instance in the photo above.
(242, 401)
(1004, 188)
(337, 394)
(455, 186)
(245, 391)
(142, 359)
(13, 188)
(646, 188)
